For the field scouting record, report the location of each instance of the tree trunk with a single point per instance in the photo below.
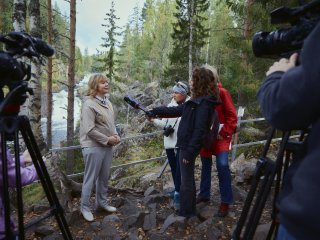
(49, 83)
(71, 84)
(19, 15)
(191, 11)
(248, 20)
(34, 101)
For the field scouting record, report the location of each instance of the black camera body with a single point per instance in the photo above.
(15, 73)
(284, 42)
(168, 130)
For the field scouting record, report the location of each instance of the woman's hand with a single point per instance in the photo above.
(26, 157)
(185, 161)
(114, 140)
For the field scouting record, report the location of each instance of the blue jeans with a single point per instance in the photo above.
(224, 177)
(283, 234)
(173, 159)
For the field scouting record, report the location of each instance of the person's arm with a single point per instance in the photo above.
(160, 122)
(230, 115)
(28, 174)
(168, 112)
(291, 100)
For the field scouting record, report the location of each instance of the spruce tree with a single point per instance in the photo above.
(110, 41)
(189, 34)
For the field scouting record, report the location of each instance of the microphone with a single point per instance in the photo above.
(132, 102)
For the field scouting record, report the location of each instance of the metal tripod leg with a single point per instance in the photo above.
(268, 169)
(56, 209)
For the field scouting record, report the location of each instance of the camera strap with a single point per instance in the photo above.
(173, 124)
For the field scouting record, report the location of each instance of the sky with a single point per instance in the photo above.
(90, 16)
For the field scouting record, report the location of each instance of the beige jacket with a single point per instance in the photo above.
(96, 123)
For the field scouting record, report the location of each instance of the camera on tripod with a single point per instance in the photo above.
(168, 130)
(284, 42)
(14, 73)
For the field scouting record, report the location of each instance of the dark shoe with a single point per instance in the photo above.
(223, 210)
(202, 199)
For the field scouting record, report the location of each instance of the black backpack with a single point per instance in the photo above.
(212, 133)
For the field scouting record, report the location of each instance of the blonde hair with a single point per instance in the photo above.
(213, 70)
(94, 80)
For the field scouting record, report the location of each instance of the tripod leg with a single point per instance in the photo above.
(25, 128)
(6, 199)
(258, 173)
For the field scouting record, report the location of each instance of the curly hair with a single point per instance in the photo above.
(204, 83)
(94, 80)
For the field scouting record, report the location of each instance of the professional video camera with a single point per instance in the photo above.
(284, 42)
(13, 73)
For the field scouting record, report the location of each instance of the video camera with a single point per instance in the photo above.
(15, 73)
(284, 42)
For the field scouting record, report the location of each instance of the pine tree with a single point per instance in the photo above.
(189, 36)
(110, 42)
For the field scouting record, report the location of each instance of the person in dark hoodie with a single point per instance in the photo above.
(289, 98)
(194, 124)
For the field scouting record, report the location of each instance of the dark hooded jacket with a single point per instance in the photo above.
(195, 123)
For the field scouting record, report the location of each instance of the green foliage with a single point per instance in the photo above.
(190, 14)
(32, 194)
(110, 42)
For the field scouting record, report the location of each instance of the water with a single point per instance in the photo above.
(59, 114)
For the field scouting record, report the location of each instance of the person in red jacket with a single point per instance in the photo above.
(221, 146)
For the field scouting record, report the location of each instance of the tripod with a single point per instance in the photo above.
(10, 126)
(268, 169)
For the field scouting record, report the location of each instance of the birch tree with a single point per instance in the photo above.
(34, 101)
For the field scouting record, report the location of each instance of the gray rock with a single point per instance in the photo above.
(110, 219)
(118, 173)
(204, 225)
(95, 226)
(156, 198)
(150, 221)
(133, 234)
(73, 217)
(150, 191)
(156, 236)
(176, 221)
(44, 230)
(40, 208)
(206, 212)
(262, 231)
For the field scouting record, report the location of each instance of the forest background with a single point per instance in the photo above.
(163, 42)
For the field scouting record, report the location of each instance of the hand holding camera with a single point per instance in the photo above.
(283, 64)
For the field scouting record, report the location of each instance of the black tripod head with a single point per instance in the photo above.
(14, 73)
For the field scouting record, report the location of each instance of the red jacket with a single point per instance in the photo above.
(227, 115)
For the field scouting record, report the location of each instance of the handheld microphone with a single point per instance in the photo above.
(135, 104)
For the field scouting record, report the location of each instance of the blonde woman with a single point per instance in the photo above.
(97, 137)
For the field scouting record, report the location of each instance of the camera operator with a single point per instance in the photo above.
(170, 126)
(290, 99)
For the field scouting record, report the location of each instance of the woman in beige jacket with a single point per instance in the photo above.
(97, 137)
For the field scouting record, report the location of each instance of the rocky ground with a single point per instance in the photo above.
(148, 214)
